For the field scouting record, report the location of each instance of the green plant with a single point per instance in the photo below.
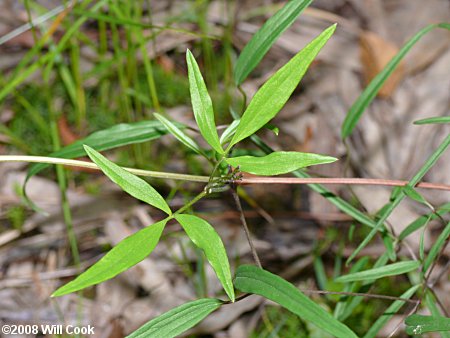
(225, 174)
(136, 247)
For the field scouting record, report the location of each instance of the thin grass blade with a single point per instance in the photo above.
(436, 248)
(265, 37)
(380, 272)
(433, 120)
(367, 96)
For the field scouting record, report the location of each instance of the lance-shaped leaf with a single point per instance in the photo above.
(130, 183)
(383, 271)
(272, 96)
(123, 256)
(265, 37)
(206, 238)
(368, 95)
(279, 162)
(201, 104)
(418, 324)
(113, 137)
(177, 320)
(229, 132)
(255, 280)
(437, 247)
(180, 135)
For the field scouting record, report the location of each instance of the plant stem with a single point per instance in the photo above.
(243, 181)
(189, 204)
(90, 165)
(244, 224)
(338, 180)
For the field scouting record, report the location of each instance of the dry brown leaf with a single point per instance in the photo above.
(376, 52)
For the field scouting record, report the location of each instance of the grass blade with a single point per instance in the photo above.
(422, 220)
(123, 256)
(177, 320)
(389, 313)
(272, 96)
(180, 135)
(380, 272)
(255, 280)
(265, 37)
(437, 246)
(353, 302)
(202, 104)
(433, 120)
(279, 162)
(392, 205)
(206, 238)
(133, 185)
(367, 96)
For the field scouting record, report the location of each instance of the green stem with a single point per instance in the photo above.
(189, 204)
(90, 165)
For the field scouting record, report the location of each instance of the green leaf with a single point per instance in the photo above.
(418, 324)
(384, 271)
(389, 313)
(433, 120)
(229, 132)
(416, 196)
(362, 287)
(265, 37)
(180, 135)
(423, 220)
(437, 246)
(201, 104)
(341, 310)
(116, 136)
(367, 96)
(130, 183)
(279, 162)
(272, 96)
(123, 256)
(430, 301)
(177, 320)
(206, 238)
(255, 280)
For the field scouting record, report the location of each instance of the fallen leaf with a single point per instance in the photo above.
(376, 52)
